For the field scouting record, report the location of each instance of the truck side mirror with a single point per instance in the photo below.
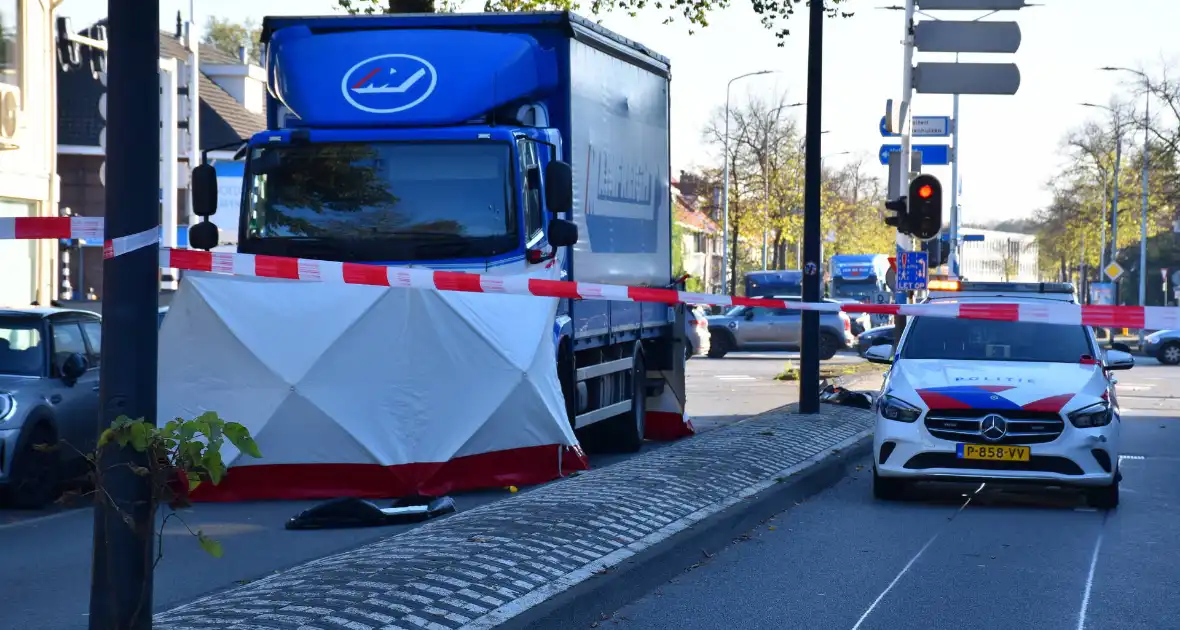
(559, 188)
(204, 190)
(562, 232)
(203, 235)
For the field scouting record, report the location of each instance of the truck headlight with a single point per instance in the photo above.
(1096, 415)
(896, 409)
(7, 406)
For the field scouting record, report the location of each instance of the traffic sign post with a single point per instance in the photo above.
(923, 126)
(912, 271)
(1113, 271)
(932, 154)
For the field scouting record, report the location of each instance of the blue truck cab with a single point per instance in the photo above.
(862, 277)
(772, 283)
(490, 143)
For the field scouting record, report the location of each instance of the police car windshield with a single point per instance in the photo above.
(982, 340)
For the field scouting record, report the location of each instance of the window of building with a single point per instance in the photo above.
(10, 42)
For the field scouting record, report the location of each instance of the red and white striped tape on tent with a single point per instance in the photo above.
(302, 269)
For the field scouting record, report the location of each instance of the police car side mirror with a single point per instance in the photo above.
(880, 353)
(748, 314)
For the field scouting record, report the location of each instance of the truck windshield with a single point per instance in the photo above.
(859, 290)
(381, 201)
(21, 350)
(987, 340)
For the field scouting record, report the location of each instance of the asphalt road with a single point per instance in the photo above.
(45, 556)
(959, 558)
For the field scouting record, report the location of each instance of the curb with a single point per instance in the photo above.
(643, 572)
(505, 561)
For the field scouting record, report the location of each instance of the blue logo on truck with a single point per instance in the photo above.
(389, 83)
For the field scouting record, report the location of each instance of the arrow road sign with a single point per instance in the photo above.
(968, 37)
(932, 154)
(923, 127)
(966, 78)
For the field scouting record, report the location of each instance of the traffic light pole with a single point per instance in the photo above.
(121, 578)
(903, 242)
(812, 267)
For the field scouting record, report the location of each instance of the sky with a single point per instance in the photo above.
(1010, 146)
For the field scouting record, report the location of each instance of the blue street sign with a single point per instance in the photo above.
(911, 271)
(967, 238)
(932, 154)
(923, 127)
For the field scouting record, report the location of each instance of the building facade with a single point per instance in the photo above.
(28, 135)
(232, 94)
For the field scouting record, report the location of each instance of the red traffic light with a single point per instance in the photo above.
(926, 191)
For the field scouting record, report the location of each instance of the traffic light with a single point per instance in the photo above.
(924, 218)
(938, 250)
(897, 220)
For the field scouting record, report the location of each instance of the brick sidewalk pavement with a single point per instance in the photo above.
(479, 568)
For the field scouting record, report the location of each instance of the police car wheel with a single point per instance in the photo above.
(1104, 498)
(887, 489)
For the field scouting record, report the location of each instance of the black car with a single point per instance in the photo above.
(881, 335)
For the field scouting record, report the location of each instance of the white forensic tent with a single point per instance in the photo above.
(367, 391)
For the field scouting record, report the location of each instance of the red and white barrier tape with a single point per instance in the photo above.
(88, 228)
(1149, 317)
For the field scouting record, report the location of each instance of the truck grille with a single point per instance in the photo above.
(1023, 427)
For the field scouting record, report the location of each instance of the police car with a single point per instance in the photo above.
(998, 401)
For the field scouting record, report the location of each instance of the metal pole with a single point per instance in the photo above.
(121, 578)
(953, 241)
(903, 242)
(1143, 219)
(809, 351)
(1114, 206)
(1104, 221)
(766, 219)
(725, 201)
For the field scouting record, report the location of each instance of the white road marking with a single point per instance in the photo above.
(1090, 577)
(735, 377)
(37, 519)
(1131, 457)
(914, 559)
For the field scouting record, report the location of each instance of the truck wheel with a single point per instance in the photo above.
(34, 473)
(1169, 354)
(828, 345)
(566, 377)
(626, 430)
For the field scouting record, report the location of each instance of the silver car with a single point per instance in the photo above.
(760, 328)
(49, 360)
(1164, 345)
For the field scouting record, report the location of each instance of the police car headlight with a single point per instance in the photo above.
(896, 409)
(1096, 415)
(7, 406)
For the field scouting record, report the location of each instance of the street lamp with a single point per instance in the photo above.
(766, 172)
(1143, 218)
(1114, 206)
(725, 187)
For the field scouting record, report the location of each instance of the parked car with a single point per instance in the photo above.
(49, 359)
(1164, 345)
(698, 333)
(874, 337)
(761, 328)
(860, 321)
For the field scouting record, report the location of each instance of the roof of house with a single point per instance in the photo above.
(688, 215)
(223, 119)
